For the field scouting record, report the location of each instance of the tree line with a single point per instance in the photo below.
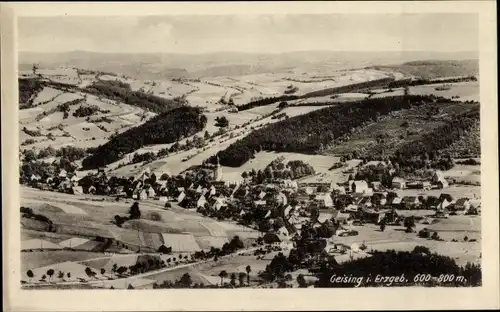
(161, 129)
(309, 133)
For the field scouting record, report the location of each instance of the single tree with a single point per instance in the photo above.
(68, 275)
(135, 212)
(60, 275)
(44, 277)
(50, 272)
(222, 275)
(103, 271)
(248, 269)
(186, 280)
(409, 224)
(89, 272)
(382, 226)
(114, 268)
(30, 275)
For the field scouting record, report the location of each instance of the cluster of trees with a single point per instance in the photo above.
(164, 128)
(28, 87)
(29, 214)
(117, 90)
(148, 156)
(85, 111)
(134, 213)
(308, 133)
(469, 162)
(279, 169)
(391, 263)
(221, 121)
(65, 107)
(425, 151)
(267, 101)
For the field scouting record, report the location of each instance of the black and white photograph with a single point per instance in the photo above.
(255, 151)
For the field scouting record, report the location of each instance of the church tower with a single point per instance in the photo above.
(218, 171)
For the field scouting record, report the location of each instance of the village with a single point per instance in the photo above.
(279, 206)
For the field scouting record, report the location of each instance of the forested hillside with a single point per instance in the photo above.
(309, 133)
(27, 89)
(164, 128)
(117, 90)
(427, 151)
(435, 68)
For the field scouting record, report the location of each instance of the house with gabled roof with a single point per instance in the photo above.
(324, 200)
(262, 194)
(359, 186)
(398, 183)
(201, 201)
(462, 204)
(181, 197)
(410, 202)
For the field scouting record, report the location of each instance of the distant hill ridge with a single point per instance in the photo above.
(165, 65)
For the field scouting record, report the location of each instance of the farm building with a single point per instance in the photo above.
(398, 183)
(439, 180)
(339, 189)
(201, 201)
(35, 177)
(352, 208)
(324, 200)
(282, 231)
(462, 204)
(281, 199)
(62, 174)
(443, 204)
(396, 202)
(77, 190)
(410, 202)
(341, 217)
(217, 202)
(181, 196)
(271, 238)
(150, 192)
(442, 184)
(376, 163)
(376, 185)
(379, 199)
(258, 203)
(262, 195)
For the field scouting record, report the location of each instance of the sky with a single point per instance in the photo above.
(437, 32)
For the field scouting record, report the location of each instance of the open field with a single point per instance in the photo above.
(37, 259)
(467, 91)
(395, 237)
(456, 191)
(134, 234)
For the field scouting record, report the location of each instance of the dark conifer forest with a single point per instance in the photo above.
(161, 129)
